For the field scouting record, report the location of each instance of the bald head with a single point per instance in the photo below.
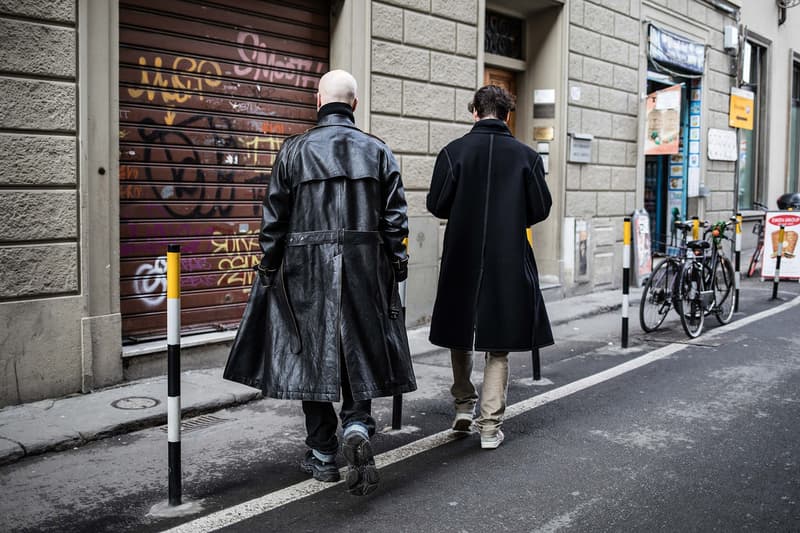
(337, 86)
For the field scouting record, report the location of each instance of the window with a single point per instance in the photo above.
(794, 129)
(752, 174)
(503, 35)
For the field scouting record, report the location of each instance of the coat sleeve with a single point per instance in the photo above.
(443, 186)
(537, 195)
(275, 213)
(394, 219)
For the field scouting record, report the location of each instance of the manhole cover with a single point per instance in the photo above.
(135, 402)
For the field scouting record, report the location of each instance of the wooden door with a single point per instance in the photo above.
(505, 79)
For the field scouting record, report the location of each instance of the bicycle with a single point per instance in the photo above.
(758, 229)
(719, 271)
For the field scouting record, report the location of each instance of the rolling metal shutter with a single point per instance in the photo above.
(208, 92)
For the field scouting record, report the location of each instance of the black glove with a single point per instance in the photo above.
(400, 269)
(266, 275)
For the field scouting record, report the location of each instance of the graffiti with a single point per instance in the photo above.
(270, 143)
(180, 83)
(237, 266)
(128, 173)
(131, 192)
(271, 128)
(235, 244)
(267, 65)
(152, 280)
(169, 118)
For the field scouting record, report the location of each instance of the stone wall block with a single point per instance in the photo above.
(52, 10)
(37, 49)
(598, 18)
(611, 152)
(419, 5)
(429, 32)
(467, 40)
(417, 171)
(452, 70)
(573, 118)
(399, 60)
(387, 95)
(461, 10)
(633, 104)
(387, 22)
(584, 41)
(37, 160)
(613, 100)
(598, 123)
(625, 79)
(623, 178)
(38, 215)
(719, 82)
(614, 50)
(719, 101)
(40, 105)
(463, 97)
(428, 101)
(678, 6)
(401, 134)
(574, 176)
(28, 270)
(575, 66)
(416, 203)
(576, 12)
(697, 12)
(597, 72)
(610, 203)
(627, 28)
(581, 204)
(442, 134)
(595, 177)
(590, 95)
(625, 128)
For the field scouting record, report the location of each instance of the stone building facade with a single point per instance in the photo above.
(582, 71)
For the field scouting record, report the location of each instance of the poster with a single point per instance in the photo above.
(663, 121)
(790, 263)
(740, 113)
(642, 261)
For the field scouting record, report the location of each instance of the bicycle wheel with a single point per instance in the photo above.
(657, 296)
(723, 285)
(755, 259)
(689, 303)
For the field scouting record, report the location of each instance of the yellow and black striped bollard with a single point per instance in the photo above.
(174, 371)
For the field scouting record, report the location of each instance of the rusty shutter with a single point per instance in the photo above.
(208, 91)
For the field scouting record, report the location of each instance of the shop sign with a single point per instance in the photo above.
(675, 51)
(790, 263)
(741, 113)
(663, 121)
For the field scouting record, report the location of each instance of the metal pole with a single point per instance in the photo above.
(695, 228)
(537, 364)
(626, 276)
(174, 371)
(776, 280)
(737, 258)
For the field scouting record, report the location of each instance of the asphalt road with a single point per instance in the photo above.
(704, 439)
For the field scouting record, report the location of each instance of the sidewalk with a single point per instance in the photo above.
(72, 421)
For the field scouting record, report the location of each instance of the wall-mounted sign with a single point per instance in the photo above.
(580, 148)
(721, 145)
(675, 51)
(790, 262)
(741, 113)
(663, 121)
(543, 133)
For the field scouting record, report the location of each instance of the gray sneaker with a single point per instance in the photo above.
(490, 441)
(462, 422)
(319, 470)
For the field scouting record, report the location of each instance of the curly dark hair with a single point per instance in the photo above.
(492, 100)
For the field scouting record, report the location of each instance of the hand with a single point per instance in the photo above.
(266, 275)
(400, 269)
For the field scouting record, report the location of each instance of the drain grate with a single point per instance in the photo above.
(199, 422)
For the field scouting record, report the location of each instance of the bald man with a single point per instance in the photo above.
(323, 322)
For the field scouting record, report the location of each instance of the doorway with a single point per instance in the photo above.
(508, 81)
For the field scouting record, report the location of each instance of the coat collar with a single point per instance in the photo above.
(491, 125)
(335, 114)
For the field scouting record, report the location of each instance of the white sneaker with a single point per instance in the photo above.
(462, 422)
(490, 442)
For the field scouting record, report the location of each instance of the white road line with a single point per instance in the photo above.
(268, 502)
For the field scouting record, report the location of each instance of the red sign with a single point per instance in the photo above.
(785, 220)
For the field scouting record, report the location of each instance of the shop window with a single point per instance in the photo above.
(794, 130)
(503, 35)
(752, 149)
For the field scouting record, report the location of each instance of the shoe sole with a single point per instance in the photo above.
(492, 444)
(462, 424)
(328, 477)
(362, 475)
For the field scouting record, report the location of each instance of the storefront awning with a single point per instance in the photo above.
(675, 54)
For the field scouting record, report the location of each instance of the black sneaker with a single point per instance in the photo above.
(319, 470)
(362, 474)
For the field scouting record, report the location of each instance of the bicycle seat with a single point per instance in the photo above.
(699, 245)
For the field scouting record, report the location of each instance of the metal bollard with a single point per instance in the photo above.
(626, 276)
(777, 279)
(695, 228)
(737, 277)
(174, 371)
(397, 400)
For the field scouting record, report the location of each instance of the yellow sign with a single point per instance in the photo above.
(742, 109)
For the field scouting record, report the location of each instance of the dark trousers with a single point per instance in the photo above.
(321, 422)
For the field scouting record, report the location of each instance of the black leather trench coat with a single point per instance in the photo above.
(333, 222)
(490, 187)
